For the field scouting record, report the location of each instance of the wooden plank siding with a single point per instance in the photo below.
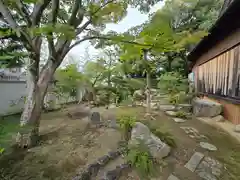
(220, 77)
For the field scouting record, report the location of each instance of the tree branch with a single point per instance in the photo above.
(23, 11)
(77, 5)
(11, 22)
(55, 9)
(81, 29)
(7, 15)
(53, 20)
(107, 38)
(38, 10)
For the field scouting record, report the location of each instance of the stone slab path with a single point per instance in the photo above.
(204, 167)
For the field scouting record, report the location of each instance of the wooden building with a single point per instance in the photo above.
(216, 62)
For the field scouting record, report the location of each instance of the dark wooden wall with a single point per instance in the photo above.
(217, 73)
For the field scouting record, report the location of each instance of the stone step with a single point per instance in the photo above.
(110, 166)
(183, 173)
(113, 170)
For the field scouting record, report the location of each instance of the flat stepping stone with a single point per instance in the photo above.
(179, 120)
(209, 169)
(171, 113)
(194, 161)
(208, 146)
(193, 133)
(172, 177)
(167, 107)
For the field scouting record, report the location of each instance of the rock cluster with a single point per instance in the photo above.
(116, 173)
(93, 168)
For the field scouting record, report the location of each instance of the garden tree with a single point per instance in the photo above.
(192, 16)
(160, 38)
(11, 54)
(94, 74)
(68, 80)
(110, 60)
(60, 22)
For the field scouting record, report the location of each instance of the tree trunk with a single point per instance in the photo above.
(28, 135)
(148, 92)
(148, 87)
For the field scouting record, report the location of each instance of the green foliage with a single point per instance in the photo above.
(9, 126)
(126, 123)
(164, 136)
(172, 83)
(1, 150)
(181, 114)
(68, 80)
(1, 132)
(139, 157)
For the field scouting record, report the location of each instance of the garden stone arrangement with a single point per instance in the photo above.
(205, 108)
(93, 169)
(207, 168)
(141, 133)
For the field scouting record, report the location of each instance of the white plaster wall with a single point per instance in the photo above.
(12, 101)
(10, 96)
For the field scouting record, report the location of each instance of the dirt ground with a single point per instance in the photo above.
(228, 151)
(68, 144)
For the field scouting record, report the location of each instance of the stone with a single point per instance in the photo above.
(171, 113)
(139, 95)
(93, 169)
(208, 146)
(185, 107)
(85, 176)
(206, 108)
(156, 147)
(167, 107)
(113, 124)
(194, 161)
(206, 175)
(237, 128)
(111, 106)
(218, 118)
(172, 177)
(193, 133)
(95, 118)
(113, 174)
(154, 106)
(179, 120)
(209, 169)
(103, 160)
(125, 166)
(113, 154)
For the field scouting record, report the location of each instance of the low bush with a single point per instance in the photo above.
(126, 123)
(139, 157)
(166, 137)
(181, 114)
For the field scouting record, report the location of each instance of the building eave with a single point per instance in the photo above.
(227, 23)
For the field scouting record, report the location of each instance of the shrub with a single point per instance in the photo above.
(126, 124)
(173, 83)
(165, 137)
(139, 157)
(1, 150)
(181, 114)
